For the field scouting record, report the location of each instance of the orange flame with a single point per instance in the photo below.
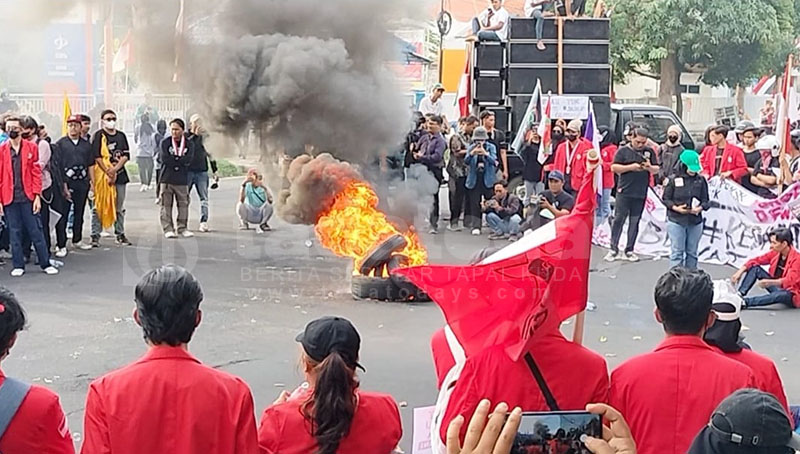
(353, 226)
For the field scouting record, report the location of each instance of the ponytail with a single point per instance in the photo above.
(333, 405)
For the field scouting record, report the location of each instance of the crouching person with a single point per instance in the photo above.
(255, 203)
(503, 213)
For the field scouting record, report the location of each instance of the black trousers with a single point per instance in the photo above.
(458, 198)
(44, 215)
(473, 217)
(627, 208)
(80, 195)
(433, 218)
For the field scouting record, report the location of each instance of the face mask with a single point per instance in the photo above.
(572, 137)
(557, 135)
(673, 139)
(13, 134)
(110, 124)
(26, 135)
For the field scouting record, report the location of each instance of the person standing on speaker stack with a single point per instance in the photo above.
(498, 139)
(491, 24)
(534, 9)
(634, 163)
(431, 155)
(198, 168)
(457, 170)
(570, 157)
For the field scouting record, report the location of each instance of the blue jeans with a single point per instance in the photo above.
(483, 35)
(537, 14)
(500, 226)
(21, 221)
(604, 208)
(199, 180)
(684, 241)
(775, 295)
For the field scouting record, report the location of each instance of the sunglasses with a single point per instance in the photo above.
(110, 119)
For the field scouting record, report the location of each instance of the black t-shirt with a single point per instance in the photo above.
(532, 170)
(562, 201)
(780, 267)
(498, 139)
(635, 183)
(752, 158)
(718, 162)
(117, 147)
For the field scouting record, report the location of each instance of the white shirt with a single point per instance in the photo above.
(529, 8)
(500, 15)
(428, 106)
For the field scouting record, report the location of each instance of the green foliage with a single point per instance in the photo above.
(732, 41)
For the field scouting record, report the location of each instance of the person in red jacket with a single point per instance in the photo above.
(722, 157)
(724, 336)
(608, 149)
(20, 197)
(168, 401)
(37, 424)
(493, 375)
(668, 395)
(782, 282)
(570, 156)
(328, 414)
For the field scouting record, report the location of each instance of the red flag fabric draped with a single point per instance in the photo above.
(521, 291)
(464, 90)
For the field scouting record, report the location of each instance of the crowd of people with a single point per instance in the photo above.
(702, 390)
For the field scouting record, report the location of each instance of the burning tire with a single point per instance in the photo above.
(374, 288)
(381, 254)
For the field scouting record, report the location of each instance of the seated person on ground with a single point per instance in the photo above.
(255, 202)
(503, 213)
(491, 24)
(553, 203)
(328, 414)
(782, 282)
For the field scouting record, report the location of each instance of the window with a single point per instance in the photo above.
(656, 123)
(690, 89)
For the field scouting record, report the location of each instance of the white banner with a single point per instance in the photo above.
(570, 107)
(733, 229)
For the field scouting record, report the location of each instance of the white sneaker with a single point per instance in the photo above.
(105, 234)
(259, 229)
(187, 234)
(142, 188)
(83, 246)
(204, 227)
(476, 232)
(61, 253)
(170, 235)
(611, 256)
(631, 257)
(50, 270)
(17, 272)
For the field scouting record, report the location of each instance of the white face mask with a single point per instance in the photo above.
(110, 124)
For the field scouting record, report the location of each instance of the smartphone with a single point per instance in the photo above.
(556, 432)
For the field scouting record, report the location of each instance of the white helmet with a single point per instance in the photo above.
(769, 143)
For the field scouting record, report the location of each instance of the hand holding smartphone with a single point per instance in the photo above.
(558, 432)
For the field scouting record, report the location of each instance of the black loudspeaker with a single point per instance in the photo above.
(489, 89)
(502, 117)
(522, 81)
(586, 53)
(519, 104)
(527, 53)
(579, 29)
(490, 56)
(602, 109)
(587, 80)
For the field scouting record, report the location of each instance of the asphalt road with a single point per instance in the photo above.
(260, 291)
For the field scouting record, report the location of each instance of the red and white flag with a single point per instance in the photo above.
(782, 128)
(544, 131)
(523, 290)
(763, 86)
(122, 58)
(464, 97)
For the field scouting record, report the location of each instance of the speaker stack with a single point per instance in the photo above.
(505, 74)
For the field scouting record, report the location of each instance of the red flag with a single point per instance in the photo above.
(464, 91)
(523, 290)
(545, 125)
(122, 58)
(782, 126)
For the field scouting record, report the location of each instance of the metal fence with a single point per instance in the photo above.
(169, 107)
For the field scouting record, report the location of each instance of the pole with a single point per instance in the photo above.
(560, 55)
(89, 51)
(108, 53)
(577, 333)
(786, 176)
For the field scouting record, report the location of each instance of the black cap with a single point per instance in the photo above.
(331, 334)
(753, 418)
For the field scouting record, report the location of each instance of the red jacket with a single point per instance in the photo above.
(578, 165)
(31, 172)
(732, 161)
(668, 395)
(607, 155)
(169, 402)
(493, 375)
(39, 426)
(443, 359)
(764, 370)
(376, 427)
(791, 271)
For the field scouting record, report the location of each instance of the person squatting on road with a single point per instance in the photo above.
(254, 205)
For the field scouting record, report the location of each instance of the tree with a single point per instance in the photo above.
(730, 42)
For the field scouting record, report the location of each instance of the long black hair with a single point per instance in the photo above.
(333, 405)
(145, 129)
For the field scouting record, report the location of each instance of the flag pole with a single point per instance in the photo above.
(784, 126)
(577, 333)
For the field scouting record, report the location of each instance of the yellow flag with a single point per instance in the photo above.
(67, 114)
(105, 194)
